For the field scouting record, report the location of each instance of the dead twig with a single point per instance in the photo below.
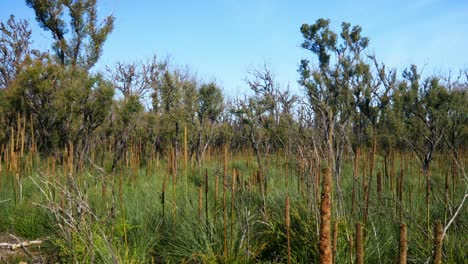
(22, 245)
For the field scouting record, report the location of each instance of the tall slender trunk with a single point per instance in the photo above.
(403, 244)
(355, 179)
(325, 245)
(288, 224)
(438, 231)
(359, 244)
(199, 148)
(427, 174)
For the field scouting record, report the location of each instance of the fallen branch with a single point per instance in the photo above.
(23, 246)
(454, 215)
(444, 232)
(14, 246)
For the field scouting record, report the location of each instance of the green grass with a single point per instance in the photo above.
(132, 228)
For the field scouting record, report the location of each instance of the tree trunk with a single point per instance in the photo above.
(259, 160)
(199, 148)
(427, 175)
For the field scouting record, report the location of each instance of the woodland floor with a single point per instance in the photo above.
(33, 254)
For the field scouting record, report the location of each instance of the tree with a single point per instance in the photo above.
(175, 103)
(424, 107)
(277, 104)
(15, 41)
(371, 94)
(137, 78)
(387, 125)
(80, 43)
(66, 104)
(210, 107)
(329, 88)
(456, 132)
(126, 113)
(261, 114)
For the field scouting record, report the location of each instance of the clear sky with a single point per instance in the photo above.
(222, 39)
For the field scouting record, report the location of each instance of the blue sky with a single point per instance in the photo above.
(221, 40)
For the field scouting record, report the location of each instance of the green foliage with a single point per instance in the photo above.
(67, 103)
(129, 108)
(86, 33)
(423, 108)
(456, 131)
(15, 51)
(329, 87)
(78, 249)
(108, 212)
(210, 100)
(132, 229)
